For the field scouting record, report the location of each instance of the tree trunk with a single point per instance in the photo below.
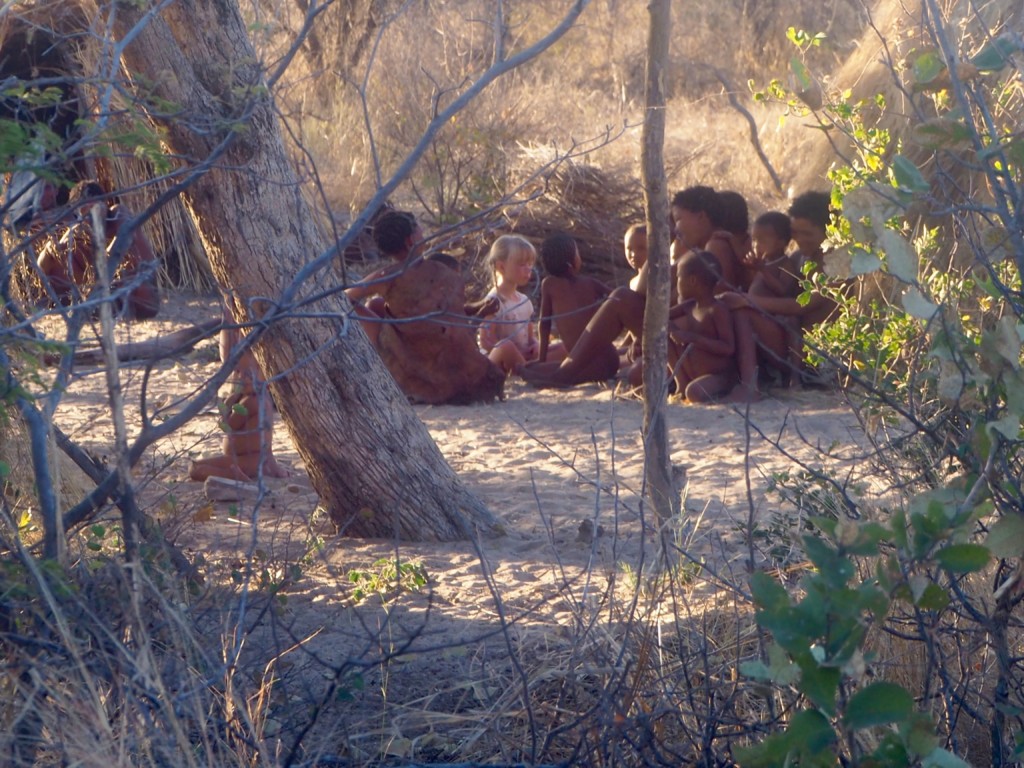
(372, 461)
(657, 463)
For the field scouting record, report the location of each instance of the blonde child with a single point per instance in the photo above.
(508, 336)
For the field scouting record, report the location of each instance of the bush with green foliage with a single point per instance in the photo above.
(935, 350)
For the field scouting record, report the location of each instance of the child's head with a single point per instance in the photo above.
(396, 233)
(733, 216)
(695, 213)
(771, 235)
(511, 260)
(699, 273)
(560, 255)
(636, 245)
(809, 214)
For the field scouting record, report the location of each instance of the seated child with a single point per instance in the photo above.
(776, 274)
(636, 251)
(703, 345)
(508, 335)
(247, 420)
(771, 271)
(566, 299)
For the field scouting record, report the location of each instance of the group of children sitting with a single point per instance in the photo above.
(734, 310)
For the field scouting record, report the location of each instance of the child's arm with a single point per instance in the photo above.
(681, 309)
(489, 332)
(544, 322)
(724, 342)
(373, 283)
(770, 276)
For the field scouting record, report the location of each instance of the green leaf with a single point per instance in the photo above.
(941, 133)
(878, 704)
(834, 569)
(811, 731)
(802, 75)
(768, 593)
(782, 670)
(1008, 426)
(963, 558)
(820, 685)
(916, 305)
(996, 54)
(864, 263)
(1006, 537)
(940, 758)
(928, 65)
(755, 670)
(908, 176)
(900, 257)
(933, 598)
(1007, 340)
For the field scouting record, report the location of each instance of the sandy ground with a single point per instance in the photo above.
(556, 467)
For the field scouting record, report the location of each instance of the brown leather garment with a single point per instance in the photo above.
(435, 358)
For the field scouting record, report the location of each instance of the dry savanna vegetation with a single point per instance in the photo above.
(491, 584)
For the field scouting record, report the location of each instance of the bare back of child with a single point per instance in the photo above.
(247, 419)
(703, 344)
(567, 299)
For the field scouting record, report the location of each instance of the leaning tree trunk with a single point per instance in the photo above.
(371, 460)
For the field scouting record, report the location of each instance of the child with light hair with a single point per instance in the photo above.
(508, 336)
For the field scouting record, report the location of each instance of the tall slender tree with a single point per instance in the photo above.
(663, 496)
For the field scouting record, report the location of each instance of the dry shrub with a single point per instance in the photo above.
(19, 481)
(110, 666)
(593, 204)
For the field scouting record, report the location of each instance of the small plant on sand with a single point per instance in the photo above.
(387, 578)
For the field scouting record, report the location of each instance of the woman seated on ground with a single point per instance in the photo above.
(399, 238)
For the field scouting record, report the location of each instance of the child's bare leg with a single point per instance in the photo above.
(507, 356)
(710, 388)
(795, 342)
(602, 365)
(635, 374)
(753, 330)
(594, 357)
(556, 353)
(265, 463)
(216, 466)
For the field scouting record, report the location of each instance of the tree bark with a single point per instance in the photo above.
(369, 457)
(657, 462)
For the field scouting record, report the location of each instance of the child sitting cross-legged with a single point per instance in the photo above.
(702, 345)
(567, 299)
(507, 336)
